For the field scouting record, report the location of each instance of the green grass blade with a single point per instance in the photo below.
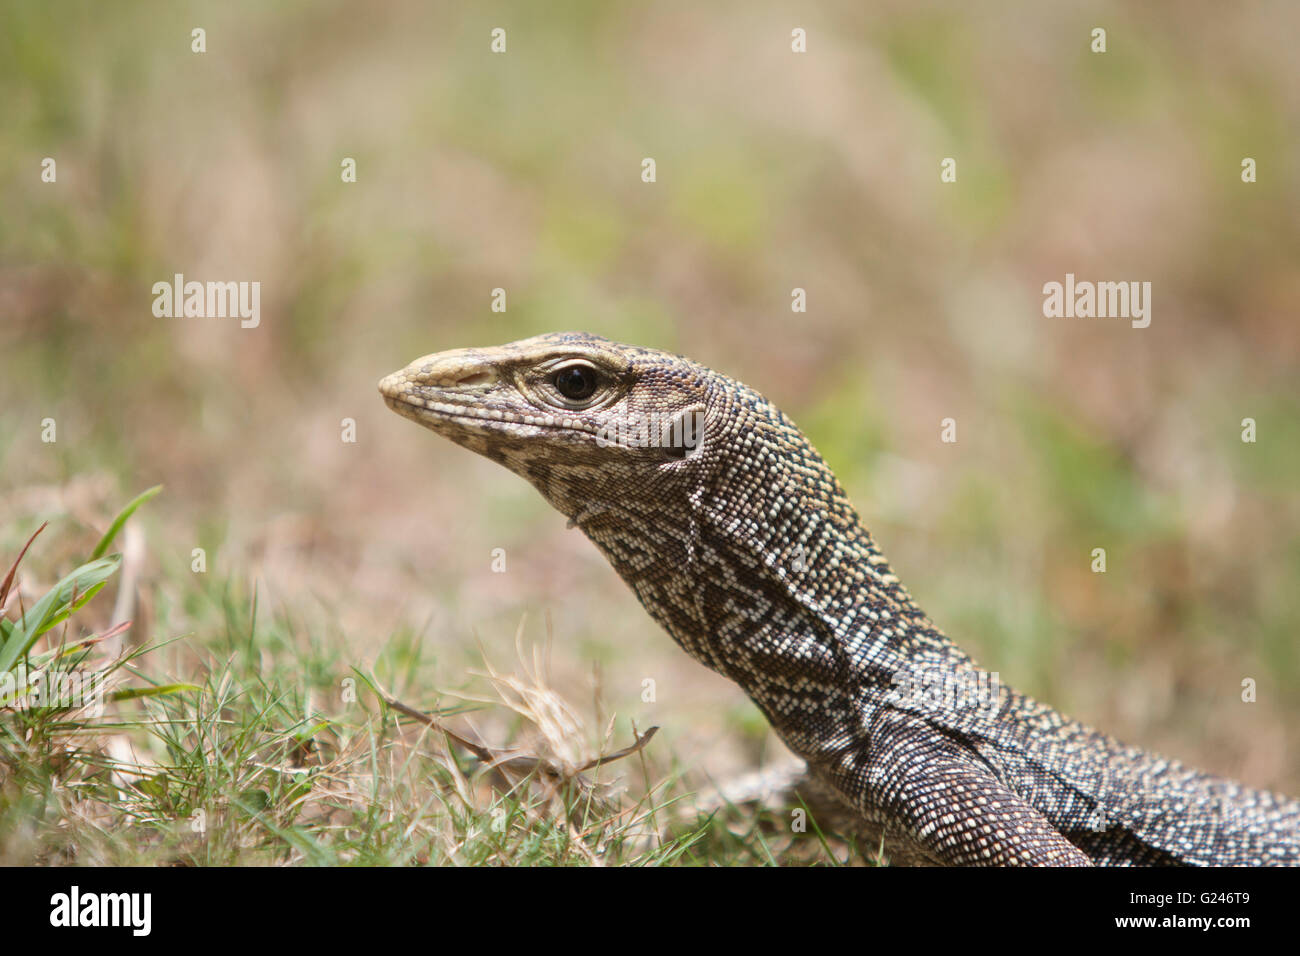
(36, 621)
(66, 612)
(121, 519)
(131, 693)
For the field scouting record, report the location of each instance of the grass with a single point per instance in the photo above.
(270, 750)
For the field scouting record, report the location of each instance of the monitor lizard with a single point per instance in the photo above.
(739, 541)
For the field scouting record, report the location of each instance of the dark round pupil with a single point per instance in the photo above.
(575, 382)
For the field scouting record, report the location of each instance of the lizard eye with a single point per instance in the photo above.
(577, 383)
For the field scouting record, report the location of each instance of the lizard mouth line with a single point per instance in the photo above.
(422, 413)
(441, 413)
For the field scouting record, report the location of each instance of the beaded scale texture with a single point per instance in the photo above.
(738, 540)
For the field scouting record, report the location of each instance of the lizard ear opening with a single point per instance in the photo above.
(683, 435)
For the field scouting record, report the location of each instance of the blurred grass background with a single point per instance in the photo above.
(775, 170)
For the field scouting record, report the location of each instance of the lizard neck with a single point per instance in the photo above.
(764, 573)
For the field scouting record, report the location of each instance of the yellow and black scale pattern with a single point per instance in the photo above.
(741, 543)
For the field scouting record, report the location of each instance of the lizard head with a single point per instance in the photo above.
(589, 422)
(668, 467)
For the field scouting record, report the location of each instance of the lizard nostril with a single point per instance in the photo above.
(478, 378)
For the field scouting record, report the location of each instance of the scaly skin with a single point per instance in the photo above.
(738, 539)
